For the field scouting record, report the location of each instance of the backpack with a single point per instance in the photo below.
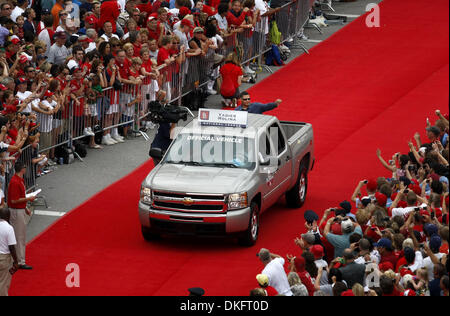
(273, 57)
(80, 149)
(274, 33)
(65, 153)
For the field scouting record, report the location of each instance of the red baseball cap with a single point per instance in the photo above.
(381, 199)
(48, 93)
(317, 251)
(385, 266)
(15, 39)
(406, 271)
(3, 87)
(336, 229)
(91, 19)
(372, 185)
(186, 22)
(416, 189)
(299, 263)
(184, 11)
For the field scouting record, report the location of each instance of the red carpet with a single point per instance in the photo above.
(362, 89)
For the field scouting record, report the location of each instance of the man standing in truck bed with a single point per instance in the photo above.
(256, 108)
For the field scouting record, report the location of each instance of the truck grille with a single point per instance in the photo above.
(188, 202)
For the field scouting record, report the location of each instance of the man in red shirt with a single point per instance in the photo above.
(109, 12)
(17, 202)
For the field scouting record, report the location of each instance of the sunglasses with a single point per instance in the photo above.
(248, 99)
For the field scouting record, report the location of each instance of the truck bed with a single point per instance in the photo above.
(299, 135)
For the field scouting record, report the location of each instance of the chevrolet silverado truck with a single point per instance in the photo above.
(216, 180)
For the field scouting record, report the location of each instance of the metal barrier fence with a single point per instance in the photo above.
(128, 106)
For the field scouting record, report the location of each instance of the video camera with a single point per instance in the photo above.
(159, 113)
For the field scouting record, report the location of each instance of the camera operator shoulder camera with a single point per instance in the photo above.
(167, 116)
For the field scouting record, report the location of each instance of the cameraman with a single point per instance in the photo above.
(162, 138)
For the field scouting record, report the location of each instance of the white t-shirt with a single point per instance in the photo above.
(263, 7)
(16, 12)
(418, 262)
(45, 120)
(23, 96)
(7, 237)
(429, 265)
(403, 211)
(277, 276)
(45, 37)
(106, 38)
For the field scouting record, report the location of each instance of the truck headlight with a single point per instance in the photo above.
(146, 195)
(237, 201)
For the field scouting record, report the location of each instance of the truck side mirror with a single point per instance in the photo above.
(263, 161)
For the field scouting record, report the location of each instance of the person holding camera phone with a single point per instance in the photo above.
(411, 201)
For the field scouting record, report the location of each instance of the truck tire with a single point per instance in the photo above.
(148, 234)
(296, 196)
(250, 236)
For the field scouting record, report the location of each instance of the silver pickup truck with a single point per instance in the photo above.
(217, 181)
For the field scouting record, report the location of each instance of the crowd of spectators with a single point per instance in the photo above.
(390, 239)
(69, 68)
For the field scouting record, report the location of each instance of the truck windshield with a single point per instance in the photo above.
(212, 151)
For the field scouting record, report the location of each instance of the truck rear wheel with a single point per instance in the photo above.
(148, 234)
(250, 236)
(296, 196)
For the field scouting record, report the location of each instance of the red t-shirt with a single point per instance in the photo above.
(390, 257)
(76, 85)
(147, 65)
(154, 34)
(145, 7)
(230, 74)
(16, 190)
(163, 54)
(306, 280)
(137, 50)
(109, 12)
(271, 291)
(124, 68)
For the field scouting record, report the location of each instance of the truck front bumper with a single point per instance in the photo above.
(192, 223)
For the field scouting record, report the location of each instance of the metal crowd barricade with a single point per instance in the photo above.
(109, 108)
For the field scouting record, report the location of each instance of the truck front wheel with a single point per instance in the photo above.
(250, 236)
(296, 196)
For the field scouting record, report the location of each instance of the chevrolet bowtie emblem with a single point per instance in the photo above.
(188, 201)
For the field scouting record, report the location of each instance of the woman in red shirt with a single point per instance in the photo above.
(231, 73)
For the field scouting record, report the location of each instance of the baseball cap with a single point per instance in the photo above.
(15, 39)
(435, 242)
(264, 254)
(366, 201)
(48, 94)
(84, 38)
(186, 22)
(317, 251)
(184, 11)
(151, 17)
(384, 243)
(431, 229)
(346, 226)
(372, 185)
(310, 216)
(198, 30)
(21, 80)
(381, 199)
(299, 263)
(90, 19)
(3, 87)
(263, 280)
(23, 59)
(346, 206)
(309, 238)
(385, 266)
(434, 129)
(61, 35)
